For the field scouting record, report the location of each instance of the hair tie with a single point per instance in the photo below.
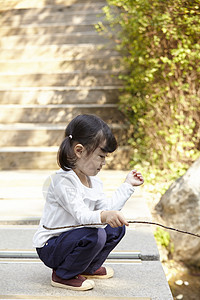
(70, 137)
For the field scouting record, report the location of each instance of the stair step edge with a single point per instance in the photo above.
(33, 254)
(39, 149)
(58, 106)
(60, 88)
(42, 126)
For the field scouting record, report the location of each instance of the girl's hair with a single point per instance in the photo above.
(88, 130)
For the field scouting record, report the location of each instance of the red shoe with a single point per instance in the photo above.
(101, 273)
(77, 283)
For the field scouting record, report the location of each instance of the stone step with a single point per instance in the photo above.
(27, 185)
(31, 297)
(132, 280)
(24, 4)
(34, 134)
(50, 9)
(30, 182)
(53, 66)
(67, 51)
(30, 135)
(77, 23)
(45, 158)
(60, 17)
(75, 78)
(21, 199)
(138, 243)
(57, 113)
(32, 29)
(60, 95)
(36, 15)
(56, 39)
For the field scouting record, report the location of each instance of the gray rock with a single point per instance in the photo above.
(179, 207)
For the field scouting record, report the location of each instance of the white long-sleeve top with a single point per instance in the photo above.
(69, 202)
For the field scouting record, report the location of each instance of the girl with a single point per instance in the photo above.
(74, 196)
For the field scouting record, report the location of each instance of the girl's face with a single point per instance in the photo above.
(91, 164)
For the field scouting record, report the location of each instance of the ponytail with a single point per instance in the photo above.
(66, 158)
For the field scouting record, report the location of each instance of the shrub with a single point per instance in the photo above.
(159, 43)
(163, 239)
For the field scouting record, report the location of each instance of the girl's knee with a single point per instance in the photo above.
(102, 237)
(96, 238)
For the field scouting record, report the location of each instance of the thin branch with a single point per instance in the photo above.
(130, 222)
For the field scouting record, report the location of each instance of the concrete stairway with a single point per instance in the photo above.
(53, 66)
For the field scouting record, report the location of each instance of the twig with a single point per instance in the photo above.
(130, 222)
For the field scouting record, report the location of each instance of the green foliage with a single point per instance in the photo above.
(163, 239)
(159, 43)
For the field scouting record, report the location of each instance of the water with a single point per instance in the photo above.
(186, 284)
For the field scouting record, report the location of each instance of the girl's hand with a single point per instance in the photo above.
(113, 218)
(134, 178)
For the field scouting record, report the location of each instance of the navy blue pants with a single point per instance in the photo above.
(80, 250)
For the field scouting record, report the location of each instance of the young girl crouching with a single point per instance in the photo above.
(74, 196)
